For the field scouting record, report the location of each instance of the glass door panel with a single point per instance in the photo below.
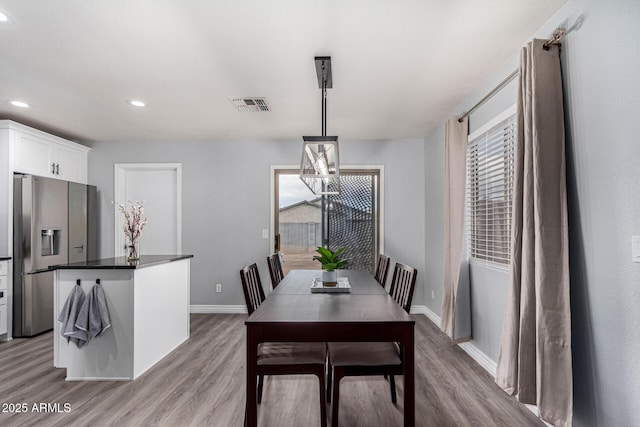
(352, 218)
(298, 222)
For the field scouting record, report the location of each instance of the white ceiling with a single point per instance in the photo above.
(399, 67)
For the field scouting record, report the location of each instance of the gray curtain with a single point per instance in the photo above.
(456, 317)
(535, 349)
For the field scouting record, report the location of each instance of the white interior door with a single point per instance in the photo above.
(159, 185)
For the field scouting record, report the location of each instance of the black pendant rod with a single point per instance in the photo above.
(324, 108)
(325, 81)
(323, 200)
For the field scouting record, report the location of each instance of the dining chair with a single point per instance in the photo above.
(382, 268)
(283, 358)
(275, 269)
(371, 358)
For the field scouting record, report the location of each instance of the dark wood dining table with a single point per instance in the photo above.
(291, 313)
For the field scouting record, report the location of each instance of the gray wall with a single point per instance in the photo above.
(601, 65)
(226, 199)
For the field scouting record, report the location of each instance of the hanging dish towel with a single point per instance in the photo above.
(69, 315)
(94, 318)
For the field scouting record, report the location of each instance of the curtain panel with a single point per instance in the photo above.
(456, 311)
(535, 349)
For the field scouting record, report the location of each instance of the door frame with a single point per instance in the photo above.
(273, 201)
(120, 171)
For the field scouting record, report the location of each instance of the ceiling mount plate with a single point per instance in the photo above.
(323, 71)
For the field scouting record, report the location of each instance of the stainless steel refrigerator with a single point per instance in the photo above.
(54, 222)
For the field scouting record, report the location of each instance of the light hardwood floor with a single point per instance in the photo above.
(202, 384)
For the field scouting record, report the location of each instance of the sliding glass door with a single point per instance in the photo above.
(304, 221)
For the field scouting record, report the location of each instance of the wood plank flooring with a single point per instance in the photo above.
(202, 384)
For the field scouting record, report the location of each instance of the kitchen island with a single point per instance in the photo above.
(148, 307)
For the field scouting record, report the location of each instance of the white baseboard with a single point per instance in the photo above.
(491, 367)
(204, 309)
(432, 316)
(417, 309)
(476, 354)
(482, 359)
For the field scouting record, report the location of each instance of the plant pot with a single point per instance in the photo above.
(329, 278)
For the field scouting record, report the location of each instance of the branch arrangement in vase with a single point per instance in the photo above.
(133, 225)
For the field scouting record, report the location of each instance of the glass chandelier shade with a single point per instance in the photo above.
(319, 166)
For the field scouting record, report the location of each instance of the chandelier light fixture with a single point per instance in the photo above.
(319, 166)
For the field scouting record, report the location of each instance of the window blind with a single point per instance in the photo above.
(490, 162)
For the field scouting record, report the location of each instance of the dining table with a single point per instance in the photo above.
(292, 313)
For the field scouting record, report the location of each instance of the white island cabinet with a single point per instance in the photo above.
(148, 304)
(4, 286)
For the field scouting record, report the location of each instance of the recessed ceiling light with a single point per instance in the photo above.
(136, 103)
(20, 104)
(6, 19)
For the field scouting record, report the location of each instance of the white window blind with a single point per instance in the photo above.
(489, 192)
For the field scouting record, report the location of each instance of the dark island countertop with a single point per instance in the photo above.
(120, 263)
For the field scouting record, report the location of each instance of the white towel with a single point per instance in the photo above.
(69, 315)
(94, 318)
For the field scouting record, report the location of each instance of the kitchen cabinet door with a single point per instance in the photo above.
(70, 164)
(33, 155)
(4, 284)
(3, 319)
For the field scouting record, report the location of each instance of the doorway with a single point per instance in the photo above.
(304, 221)
(160, 186)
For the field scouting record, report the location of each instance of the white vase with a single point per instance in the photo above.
(329, 278)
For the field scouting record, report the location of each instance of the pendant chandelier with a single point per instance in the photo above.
(319, 166)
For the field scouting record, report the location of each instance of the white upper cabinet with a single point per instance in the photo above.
(70, 163)
(32, 154)
(39, 153)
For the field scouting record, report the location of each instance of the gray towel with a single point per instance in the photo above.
(69, 315)
(94, 314)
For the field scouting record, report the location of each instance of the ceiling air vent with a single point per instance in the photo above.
(250, 105)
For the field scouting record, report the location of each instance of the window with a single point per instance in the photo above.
(490, 163)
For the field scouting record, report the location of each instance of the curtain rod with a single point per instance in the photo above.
(558, 35)
(495, 90)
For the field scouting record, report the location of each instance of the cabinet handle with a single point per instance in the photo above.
(1, 294)
(53, 168)
(57, 168)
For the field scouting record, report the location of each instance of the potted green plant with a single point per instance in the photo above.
(330, 261)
